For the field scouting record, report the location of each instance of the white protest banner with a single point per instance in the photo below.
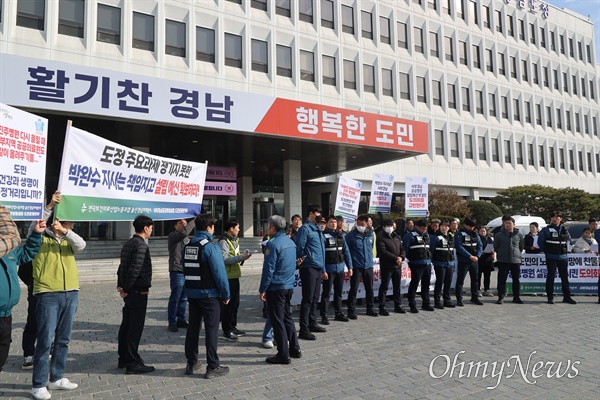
(382, 188)
(348, 197)
(416, 204)
(23, 138)
(104, 181)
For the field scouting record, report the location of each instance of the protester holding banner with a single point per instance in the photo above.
(419, 262)
(178, 299)
(509, 244)
(9, 234)
(360, 243)
(391, 255)
(442, 257)
(468, 250)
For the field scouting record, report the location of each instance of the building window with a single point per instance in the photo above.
(433, 44)
(235, 1)
(71, 17)
(499, 21)
(462, 47)
(260, 56)
(329, 75)
(552, 41)
(530, 154)
(546, 77)
(511, 29)
(495, 150)
(419, 40)
(516, 110)
(571, 49)
(460, 9)
(404, 86)
(501, 66)
(589, 53)
(454, 145)
(436, 88)
(259, 4)
(474, 13)
(507, 152)
(555, 82)
(552, 159)
(571, 160)
(402, 41)
(466, 99)
(468, 146)
(558, 119)
(534, 68)
(348, 19)
(583, 94)
(565, 83)
(421, 90)
(449, 48)
(549, 116)
(447, 9)
(479, 102)
(205, 44)
(521, 29)
(524, 73)
(482, 149)
(432, 4)
(233, 50)
(486, 17)
(31, 14)
(349, 75)
(451, 96)
(439, 142)
(504, 105)
(543, 38)
(595, 126)
(143, 32)
(577, 123)
(476, 58)
(532, 33)
(561, 157)
(366, 21)
(492, 104)
(519, 146)
(513, 67)
(589, 162)
(489, 65)
(542, 158)
(562, 44)
(574, 84)
(384, 30)
(368, 78)
(327, 20)
(580, 159)
(109, 24)
(175, 38)
(598, 162)
(282, 7)
(305, 10)
(568, 120)
(307, 66)
(284, 61)
(538, 114)
(592, 95)
(387, 83)
(586, 123)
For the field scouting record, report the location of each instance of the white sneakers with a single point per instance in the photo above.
(268, 344)
(61, 384)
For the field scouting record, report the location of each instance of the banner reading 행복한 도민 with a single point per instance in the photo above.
(23, 139)
(103, 181)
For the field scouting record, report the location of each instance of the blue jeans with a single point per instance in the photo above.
(178, 298)
(54, 313)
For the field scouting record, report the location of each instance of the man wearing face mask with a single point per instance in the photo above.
(419, 262)
(391, 254)
(310, 244)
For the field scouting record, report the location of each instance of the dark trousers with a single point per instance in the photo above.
(5, 339)
(132, 326)
(367, 275)
(311, 283)
(284, 330)
(419, 273)
(503, 270)
(443, 281)
(209, 310)
(396, 276)
(463, 268)
(229, 311)
(552, 265)
(336, 279)
(487, 274)
(30, 330)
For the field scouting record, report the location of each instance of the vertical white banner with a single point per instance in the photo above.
(382, 189)
(348, 198)
(417, 201)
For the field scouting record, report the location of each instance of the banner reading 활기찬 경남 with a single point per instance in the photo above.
(416, 202)
(103, 181)
(348, 198)
(382, 189)
(23, 141)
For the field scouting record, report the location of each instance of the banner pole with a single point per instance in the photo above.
(62, 166)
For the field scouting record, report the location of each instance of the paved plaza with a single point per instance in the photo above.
(531, 351)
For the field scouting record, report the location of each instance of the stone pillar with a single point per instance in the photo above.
(292, 188)
(245, 213)
(474, 195)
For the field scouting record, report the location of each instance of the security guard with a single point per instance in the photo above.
(553, 242)
(442, 251)
(419, 261)
(336, 255)
(468, 250)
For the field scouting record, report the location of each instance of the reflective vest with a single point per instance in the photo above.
(196, 271)
(444, 250)
(469, 241)
(334, 246)
(556, 242)
(419, 247)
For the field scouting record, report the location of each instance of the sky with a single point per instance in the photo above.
(585, 8)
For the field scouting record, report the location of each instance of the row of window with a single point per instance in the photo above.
(512, 152)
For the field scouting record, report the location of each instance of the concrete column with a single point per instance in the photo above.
(245, 213)
(474, 195)
(292, 188)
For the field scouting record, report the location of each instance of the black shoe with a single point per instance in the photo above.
(215, 372)
(120, 365)
(500, 301)
(399, 310)
(232, 337)
(459, 303)
(139, 368)
(190, 367)
(296, 353)
(238, 331)
(182, 324)
(306, 335)
(341, 317)
(324, 320)
(414, 310)
(427, 307)
(475, 300)
(278, 360)
(372, 313)
(518, 300)
(352, 315)
(316, 328)
(569, 300)
(449, 304)
(439, 306)
(550, 301)
(384, 312)
(173, 328)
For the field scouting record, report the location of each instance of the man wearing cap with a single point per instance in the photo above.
(442, 257)
(468, 250)
(419, 261)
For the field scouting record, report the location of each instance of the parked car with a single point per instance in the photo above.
(576, 229)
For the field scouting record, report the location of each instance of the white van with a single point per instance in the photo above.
(521, 222)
